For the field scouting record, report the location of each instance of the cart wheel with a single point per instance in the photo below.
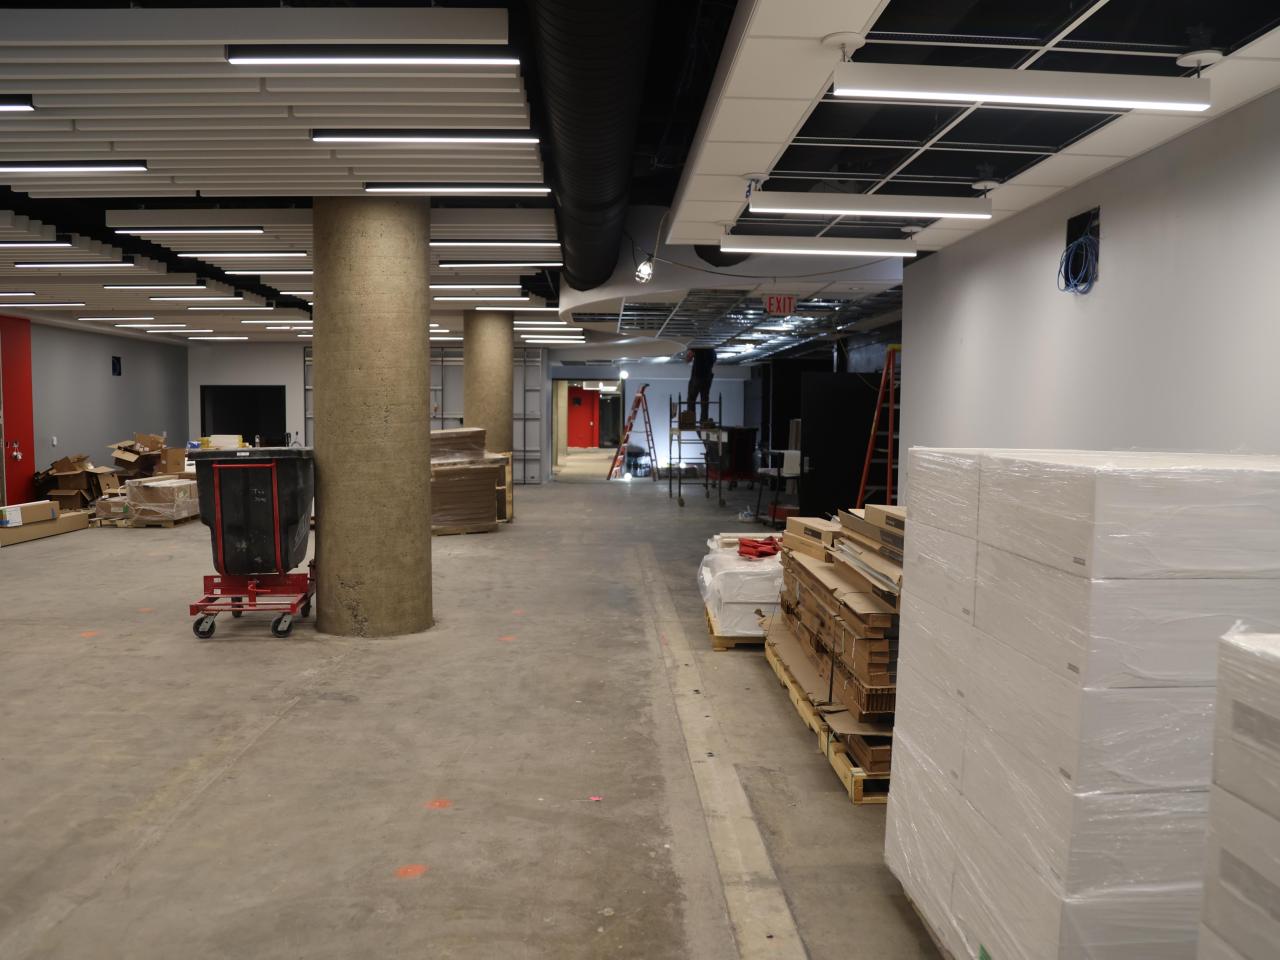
(282, 625)
(237, 613)
(203, 626)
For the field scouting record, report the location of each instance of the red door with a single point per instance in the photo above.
(17, 431)
(584, 417)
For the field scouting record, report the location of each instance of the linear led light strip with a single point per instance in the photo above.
(226, 298)
(73, 265)
(474, 299)
(17, 293)
(1046, 88)
(153, 286)
(244, 254)
(870, 205)
(123, 318)
(447, 137)
(33, 244)
(495, 243)
(394, 55)
(470, 286)
(269, 273)
(499, 265)
(12, 104)
(217, 338)
(460, 189)
(37, 306)
(818, 246)
(189, 231)
(232, 308)
(74, 166)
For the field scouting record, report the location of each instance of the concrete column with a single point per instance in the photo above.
(372, 432)
(487, 356)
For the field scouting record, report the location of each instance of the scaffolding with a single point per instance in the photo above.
(694, 449)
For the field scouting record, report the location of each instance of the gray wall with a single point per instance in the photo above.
(78, 400)
(1174, 349)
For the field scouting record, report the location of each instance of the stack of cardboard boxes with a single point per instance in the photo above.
(844, 626)
(1055, 691)
(1242, 879)
(469, 487)
(22, 522)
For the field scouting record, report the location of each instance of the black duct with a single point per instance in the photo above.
(591, 58)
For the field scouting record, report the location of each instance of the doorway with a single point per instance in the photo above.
(250, 411)
(584, 418)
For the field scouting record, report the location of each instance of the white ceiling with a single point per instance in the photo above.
(775, 69)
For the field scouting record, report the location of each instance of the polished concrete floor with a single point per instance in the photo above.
(522, 781)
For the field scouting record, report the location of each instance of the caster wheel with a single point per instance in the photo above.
(203, 626)
(237, 613)
(282, 625)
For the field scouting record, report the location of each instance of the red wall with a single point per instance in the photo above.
(19, 424)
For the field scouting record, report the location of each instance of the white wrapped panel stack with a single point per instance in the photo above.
(1058, 728)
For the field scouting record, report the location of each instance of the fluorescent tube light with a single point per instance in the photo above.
(73, 265)
(277, 327)
(1044, 88)
(474, 299)
(149, 327)
(225, 298)
(74, 166)
(269, 273)
(475, 286)
(189, 231)
(118, 318)
(17, 293)
(29, 306)
(298, 293)
(523, 330)
(438, 339)
(305, 336)
(373, 55)
(498, 265)
(565, 342)
(33, 244)
(153, 286)
(217, 338)
(495, 243)
(231, 308)
(243, 254)
(539, 323)
(461, 189)
(445, 137)
(818, 246)
(533, 309)
(870, 205)
(16, 104)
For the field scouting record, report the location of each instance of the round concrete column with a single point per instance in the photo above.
(372, 400)
(487, 354)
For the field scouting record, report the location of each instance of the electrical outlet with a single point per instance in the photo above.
(53, 441)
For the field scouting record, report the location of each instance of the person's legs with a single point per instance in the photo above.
(706, 397)
(694, 385)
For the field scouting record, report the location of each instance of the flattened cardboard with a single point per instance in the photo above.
(856, 522)
(790, 652)
(878, 570)
(854, 593)
(804, 546)
(813, 528)
(65, 523)
(892, 554)
(887, 516)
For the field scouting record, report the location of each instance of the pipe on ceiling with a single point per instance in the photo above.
(591, 56)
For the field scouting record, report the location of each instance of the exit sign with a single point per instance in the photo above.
(777, 305)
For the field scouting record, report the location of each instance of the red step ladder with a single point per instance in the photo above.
(640, 405)
(884, 434)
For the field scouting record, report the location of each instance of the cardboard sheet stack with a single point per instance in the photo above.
(737, 590)
(22, 522)
(1055, 691)
(1242, 876)
(846, 631)
(464, 482)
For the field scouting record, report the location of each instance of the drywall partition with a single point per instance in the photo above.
(77, 397)
(249, 364)
(1176, 347)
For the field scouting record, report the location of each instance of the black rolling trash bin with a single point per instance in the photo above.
(257, 503)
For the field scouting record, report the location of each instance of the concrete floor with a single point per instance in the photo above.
(514, 783)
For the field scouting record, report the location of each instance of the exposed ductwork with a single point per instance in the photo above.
(591, 58)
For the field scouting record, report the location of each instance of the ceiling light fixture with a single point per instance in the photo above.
(30, 306)
(151, 326)
(231, 308)
(33, 244)
(870, 205)
(225, 298)
(17, 293)
(818, 246)
(437, 339)
(461, 189)
(474, 299)
(392, 55)
(244, 254)
(305, 336)
(217, 338)
(498, 266)
(532, 309)
(153, 286)
(189, 231)
(277, 327)
(450, 137)
(550, 342)
(74, 265)
(16, 104)
(539, 323)
(644, 272)
(74, 166)
(298, 293)
(1044, 88)
(475, 286)
(269, 273)
(116, 318)
(495, 243)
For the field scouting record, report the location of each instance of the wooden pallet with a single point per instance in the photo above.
(799, 699)
(138, 522)
(862, 787)
(720, 641)
(457, 529)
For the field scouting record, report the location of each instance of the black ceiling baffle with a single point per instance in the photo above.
(591, 57)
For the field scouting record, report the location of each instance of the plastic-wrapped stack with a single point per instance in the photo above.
(1056, 688)
(738, 590)
(1242, 876)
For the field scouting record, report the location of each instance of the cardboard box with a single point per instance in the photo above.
(173, 461)
(35, 511)
(804, 545)
(163, 498)
(862, 701)
(886, 516)
(885, 575)
(942, 567)
(63, 523)
(69, 500)
(1242, 882)
(1246, 752)
(816, 529)
(1123, 515)
(855, 521)
(942, 488)
(112, 508)
(875, 545)
(1114, 633)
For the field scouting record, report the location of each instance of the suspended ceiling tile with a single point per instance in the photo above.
(1064, 170)
(1132, 134)
(754, 119)
(1018, 196)
(723, 211)
(766, 67)
(693, 231)
(741, 159)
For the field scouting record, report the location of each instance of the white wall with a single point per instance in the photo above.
(1177, 346)
(253, 364)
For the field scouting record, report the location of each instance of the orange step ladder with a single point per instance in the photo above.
(884, 435)
(640, 405)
